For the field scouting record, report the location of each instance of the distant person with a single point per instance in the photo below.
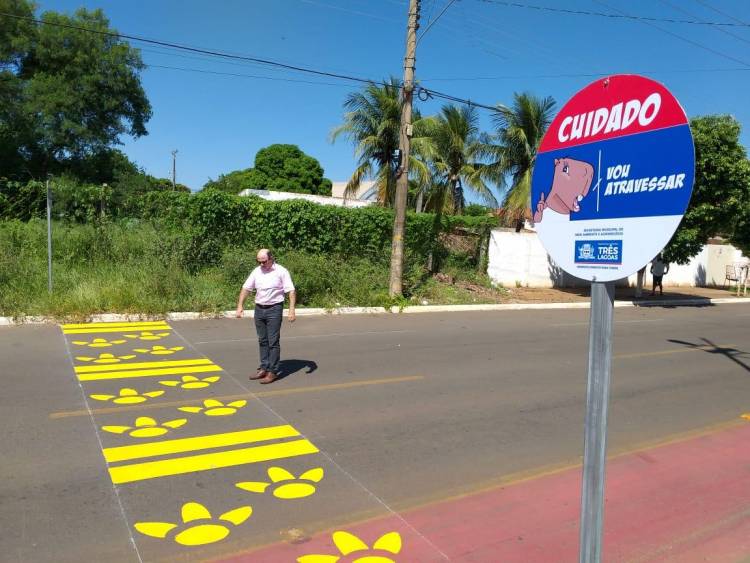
(270, 281)
(659, 269)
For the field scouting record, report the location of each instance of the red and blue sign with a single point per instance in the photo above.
(613, 177)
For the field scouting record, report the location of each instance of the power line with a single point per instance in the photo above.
(194, 49)
(448, 5)
(606, 15)
(680, 37)
(423, 93)
(581, 75)
(254, 76)
(724, 31)
(731, 17)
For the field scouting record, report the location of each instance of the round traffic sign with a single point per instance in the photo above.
(613, 177)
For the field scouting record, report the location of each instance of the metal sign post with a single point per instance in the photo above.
(595, 427)
(49, 238)
(612, 179)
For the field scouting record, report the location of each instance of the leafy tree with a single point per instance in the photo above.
(278, 167)
(721, 194)
(512, 149)
(67, 93)
(231, 183)
(286, 168)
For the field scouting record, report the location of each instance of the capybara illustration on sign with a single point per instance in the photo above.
(570, 185)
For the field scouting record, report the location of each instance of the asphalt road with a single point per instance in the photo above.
(390, 411)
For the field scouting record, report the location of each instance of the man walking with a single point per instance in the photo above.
(659, 269)
(270, 281)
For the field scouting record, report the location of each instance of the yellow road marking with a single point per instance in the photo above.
(141, 365)
(224, 398)
(182, 445)
(133, 324)
(115, 329)
(667, 352)
(146, 373)
(205, 462)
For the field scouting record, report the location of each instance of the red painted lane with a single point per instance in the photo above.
(686, 501)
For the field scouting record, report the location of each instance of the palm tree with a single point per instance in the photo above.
(513, 148)
(372, 124)
(448, 145)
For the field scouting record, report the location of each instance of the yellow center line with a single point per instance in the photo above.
(280, 392)
(668, 352)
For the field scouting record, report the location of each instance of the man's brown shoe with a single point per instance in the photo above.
(260, 374)
(269, 378)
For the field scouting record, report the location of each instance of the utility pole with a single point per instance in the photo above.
(402, 174)
(174, 169)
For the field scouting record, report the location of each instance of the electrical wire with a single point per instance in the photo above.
(685, 39)
(430, 24)
(422, 92)
(606, 15)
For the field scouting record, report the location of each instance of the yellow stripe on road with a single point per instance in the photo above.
(702, 348)
(91, 330)
(206, 462)
(130, 324)
(153, 449)
(146, 373)
(141, 365)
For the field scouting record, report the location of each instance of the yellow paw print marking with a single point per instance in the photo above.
(146, 427)
(159, 350)
(104, 358)
(349, 543)
(192, 382)
(284, 490)
(147, 335)
(203, 530)
(212, 407)
(128, 396)
(98, 343)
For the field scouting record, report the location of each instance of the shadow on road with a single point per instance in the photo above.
(290, 367)
(732, 353)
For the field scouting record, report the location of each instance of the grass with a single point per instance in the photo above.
(133, 267)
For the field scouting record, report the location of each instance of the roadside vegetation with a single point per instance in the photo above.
(125, 241)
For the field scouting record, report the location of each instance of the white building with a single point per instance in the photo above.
(520, 259)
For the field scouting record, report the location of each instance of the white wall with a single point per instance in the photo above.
(520, 258)
(272, 195)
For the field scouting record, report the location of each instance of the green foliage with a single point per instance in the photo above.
(282, 168)
(231, 183)
(721, 194)
(286, 168)
(123, 266)
(477, 210)
(65, 93)
(22, 200)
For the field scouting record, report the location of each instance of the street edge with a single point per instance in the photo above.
(183, 316)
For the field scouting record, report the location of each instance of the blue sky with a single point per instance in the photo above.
(479, 49)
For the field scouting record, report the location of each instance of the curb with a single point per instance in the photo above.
(115, 317)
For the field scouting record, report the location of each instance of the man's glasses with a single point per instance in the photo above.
(262, 262)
